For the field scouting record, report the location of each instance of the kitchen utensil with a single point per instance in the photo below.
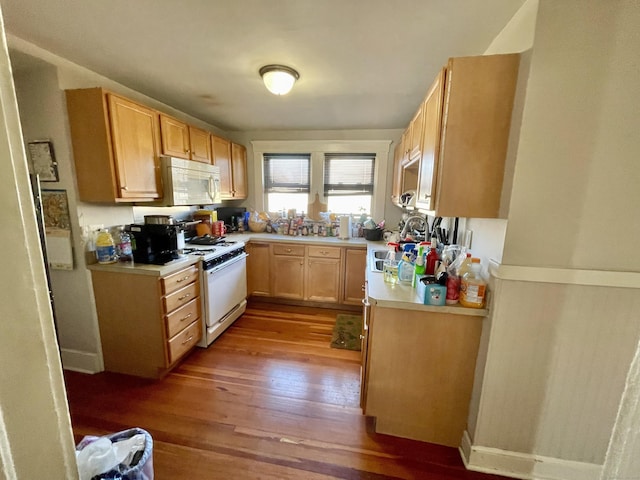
(315, 208)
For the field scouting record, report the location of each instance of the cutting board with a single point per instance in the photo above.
(315, 208)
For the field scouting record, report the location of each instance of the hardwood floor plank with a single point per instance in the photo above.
(268, 400)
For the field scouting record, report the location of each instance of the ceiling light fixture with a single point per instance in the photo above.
(278, 79)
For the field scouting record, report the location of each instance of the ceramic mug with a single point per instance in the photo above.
(218, 229)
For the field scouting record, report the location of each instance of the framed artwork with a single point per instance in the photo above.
(43, 160)
(57, 223)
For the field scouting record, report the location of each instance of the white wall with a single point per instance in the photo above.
(35, 430)
(561, 340)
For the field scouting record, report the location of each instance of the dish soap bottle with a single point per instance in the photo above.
(390, 266)
(473, 288)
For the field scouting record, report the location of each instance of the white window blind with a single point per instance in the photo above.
(348, 174)
(286, 173)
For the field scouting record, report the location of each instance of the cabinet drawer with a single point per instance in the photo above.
(183, 316)
(183, 341)
(324, 252)
(291, 250)
(179, 279)
(180, 297)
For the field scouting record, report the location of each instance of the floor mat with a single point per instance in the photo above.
(346, 332)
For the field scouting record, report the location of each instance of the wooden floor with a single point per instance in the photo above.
(268, 400)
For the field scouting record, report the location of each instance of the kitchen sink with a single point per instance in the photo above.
(376, 260)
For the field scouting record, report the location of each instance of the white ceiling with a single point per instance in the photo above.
(364, 64)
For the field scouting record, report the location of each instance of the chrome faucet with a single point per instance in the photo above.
(409, 225)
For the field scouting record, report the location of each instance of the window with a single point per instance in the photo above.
(348, 182)
(286, 181)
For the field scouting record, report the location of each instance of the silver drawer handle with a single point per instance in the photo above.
(188, 340)
(184, 278)
(184, 318)
(288, 250)
(184, 296)
(324, 252)
(361, 337)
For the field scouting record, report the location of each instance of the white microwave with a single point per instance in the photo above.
(187, 182)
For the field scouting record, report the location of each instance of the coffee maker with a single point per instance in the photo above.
(154, 243)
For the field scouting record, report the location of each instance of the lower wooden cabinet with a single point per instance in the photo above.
(147, 323)
(418, 370)
(258, 269)
(355, 264)
(313, 273)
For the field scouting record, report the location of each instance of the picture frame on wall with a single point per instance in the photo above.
(43, 160)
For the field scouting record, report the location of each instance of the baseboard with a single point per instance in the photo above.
(522, 465)
(79, 361)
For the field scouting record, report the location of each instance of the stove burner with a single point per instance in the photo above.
(206, 240)
(198, 251)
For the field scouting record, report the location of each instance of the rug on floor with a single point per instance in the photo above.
(346, 332)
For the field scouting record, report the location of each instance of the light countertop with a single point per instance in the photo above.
(147, 269)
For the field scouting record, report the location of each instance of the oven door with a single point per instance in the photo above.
(225, 289)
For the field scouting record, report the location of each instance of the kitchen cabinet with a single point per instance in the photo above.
(467, 118)
(147, 323)
(239, 171)
(232, 160)
(258, 269)
(418, 370)
(364, 348)
(355, 264)
(416, 128)
(287, 267)
(184, 141)
(116, 147)
(322, 274)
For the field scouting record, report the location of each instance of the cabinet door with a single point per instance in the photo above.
(222, 158)
(258, 269)
(175, 137)
(416, 129)
(200, 145)
(323, 280)
(397, 174)
(430, 144)
(134, 132)
(288, 276)
(354, 275)
(239, 170)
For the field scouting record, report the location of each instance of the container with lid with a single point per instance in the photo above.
(473, 288)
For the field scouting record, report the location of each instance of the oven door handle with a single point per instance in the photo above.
(226, 264)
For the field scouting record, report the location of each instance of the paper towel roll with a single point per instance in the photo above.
(345, 227)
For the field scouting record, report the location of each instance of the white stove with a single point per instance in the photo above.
(223, 275)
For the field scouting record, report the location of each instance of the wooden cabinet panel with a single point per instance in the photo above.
(354, 275)
(221, 148)
(258, 269)
(180, 297)
(116, 143)
(442, 350)
(287, 276)
(324, 252)
(431, 143)
(178, 280)
(200, 145)
(322, 280)
(175, 137)
(288, 249)
(416, 130)
(183, 316)
(239, 169)
(184, 341)
(397, 175)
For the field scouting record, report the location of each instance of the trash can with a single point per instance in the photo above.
(126, 455)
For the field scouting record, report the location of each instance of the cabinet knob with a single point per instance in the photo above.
(187, 340)
(184, 278)
(185, 317)
(184, 296)
(361, 337)
(125, 188)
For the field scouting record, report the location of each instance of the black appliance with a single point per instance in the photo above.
(230, 215)
(154, 243)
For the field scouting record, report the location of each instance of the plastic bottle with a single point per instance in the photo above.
(419, 270)
(432, 259)
(390, 266)
(123, 248)
(464, 268)
(105, 247)
(406, 270)
(473, 288)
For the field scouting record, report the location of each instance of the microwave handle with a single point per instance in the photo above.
(213, 188)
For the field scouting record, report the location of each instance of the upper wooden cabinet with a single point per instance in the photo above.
(184, 141)
(116, 146)
(467, 121)
(232, 160)
(416, 128)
